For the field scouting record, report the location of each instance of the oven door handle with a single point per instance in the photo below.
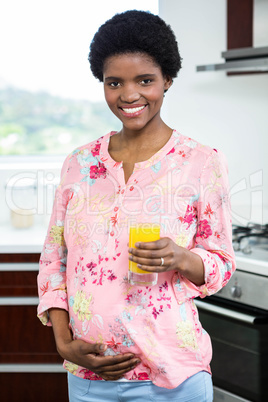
(245, 318)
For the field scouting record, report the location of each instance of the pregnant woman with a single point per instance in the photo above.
(119, 341)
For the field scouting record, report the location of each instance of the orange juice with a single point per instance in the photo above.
(143, 232)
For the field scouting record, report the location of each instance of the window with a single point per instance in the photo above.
(49, 101)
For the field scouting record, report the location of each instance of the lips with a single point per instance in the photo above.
(132, 110)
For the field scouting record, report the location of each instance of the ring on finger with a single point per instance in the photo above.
(162, 261)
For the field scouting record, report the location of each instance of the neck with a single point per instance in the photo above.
(137, 146)
(152, 137)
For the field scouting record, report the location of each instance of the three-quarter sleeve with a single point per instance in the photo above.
(213, 240)
(52, 266)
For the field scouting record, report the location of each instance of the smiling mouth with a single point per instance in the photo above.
(133, 109)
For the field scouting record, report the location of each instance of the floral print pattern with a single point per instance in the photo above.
(56, 233)
(84, 262)
(80, 304)
(186, 335)
(203, 229)
(97, 171)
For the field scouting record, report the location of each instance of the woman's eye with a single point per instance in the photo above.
(114, 84)
(146, 81)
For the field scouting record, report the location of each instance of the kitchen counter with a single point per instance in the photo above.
(28, 240)
(256, 262)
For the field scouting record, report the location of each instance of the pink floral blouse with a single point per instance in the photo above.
(84, 262)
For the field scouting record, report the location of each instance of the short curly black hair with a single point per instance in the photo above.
(135, 31)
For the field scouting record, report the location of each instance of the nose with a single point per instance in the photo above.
(129, 94)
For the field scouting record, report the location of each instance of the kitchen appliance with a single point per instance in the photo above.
(241, 60)
(247, 50)
(237, 320)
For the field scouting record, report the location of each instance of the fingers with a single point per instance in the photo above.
(158, 256)
(114, 371)
(116, 368)
(154, 249)
(153, 245)
(117, 362)
(113, 375)
(92, 348)
(155, 262)
(91, 353)
(148, 264)
(150, 254)
(152, 265)
(116, 374)
(90, 356)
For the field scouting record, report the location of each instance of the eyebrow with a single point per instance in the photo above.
(138, 76)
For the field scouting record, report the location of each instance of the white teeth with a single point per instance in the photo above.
(133, 109)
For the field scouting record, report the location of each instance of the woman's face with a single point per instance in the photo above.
(134, 88)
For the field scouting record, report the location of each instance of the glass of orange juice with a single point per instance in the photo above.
(142, 232)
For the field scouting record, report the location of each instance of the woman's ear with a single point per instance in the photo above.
(168, 83)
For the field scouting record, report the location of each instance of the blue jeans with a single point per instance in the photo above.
(197, 388)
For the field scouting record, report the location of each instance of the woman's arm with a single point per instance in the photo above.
(88, 355)
(148, 256)
(208, 266)
(53, 305)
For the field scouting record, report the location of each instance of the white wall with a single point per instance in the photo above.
(228, 113)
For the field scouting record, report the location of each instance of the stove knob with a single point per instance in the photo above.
(236, 291)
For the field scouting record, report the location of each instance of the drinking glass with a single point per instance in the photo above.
(143, 232)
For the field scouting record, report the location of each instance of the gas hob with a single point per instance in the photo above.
(251, 248)
(249, 283)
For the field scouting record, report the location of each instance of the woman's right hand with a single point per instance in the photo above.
(90, 356)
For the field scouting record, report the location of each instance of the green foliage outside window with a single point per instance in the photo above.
(39, 123)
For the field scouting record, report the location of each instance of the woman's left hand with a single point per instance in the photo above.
(165, 255)
(157, 256)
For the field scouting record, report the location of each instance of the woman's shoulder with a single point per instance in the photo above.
(84, 154)
(190, 143)
(93, 145)
(198, 154)
(198, 151)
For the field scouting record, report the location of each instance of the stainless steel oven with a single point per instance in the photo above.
(237, 320)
